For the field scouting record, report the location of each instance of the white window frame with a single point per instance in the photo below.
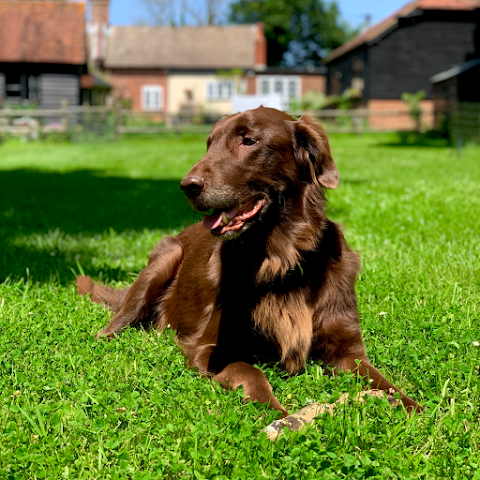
(220, 90)
(152, 98)
(272, 82)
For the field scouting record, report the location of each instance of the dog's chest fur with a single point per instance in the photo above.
(277, 313)
(247, 319)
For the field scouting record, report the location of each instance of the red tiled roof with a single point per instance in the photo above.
(376, 30)
(42, 32)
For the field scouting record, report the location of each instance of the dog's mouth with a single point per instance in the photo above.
(221, 221)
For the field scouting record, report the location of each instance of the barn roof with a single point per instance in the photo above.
(42, 32)
(209, 47)
(383, 26)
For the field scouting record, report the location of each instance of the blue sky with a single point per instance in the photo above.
(127, 12)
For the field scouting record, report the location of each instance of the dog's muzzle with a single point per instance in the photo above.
(192, 185)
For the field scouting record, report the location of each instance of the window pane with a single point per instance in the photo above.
(152, 97)
(278, 86)
(265, 87)
(292, 89)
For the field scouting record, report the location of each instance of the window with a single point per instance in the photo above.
(293, 89)
(13, 87)
(152, 97)
(220, 90)
(33, 90)
(264, 87)
(287, 86)
(358, 66)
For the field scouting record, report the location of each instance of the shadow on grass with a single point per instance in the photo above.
(416, 139)
(35, 205)
(355, 181)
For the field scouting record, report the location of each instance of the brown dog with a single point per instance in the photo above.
(266, 277)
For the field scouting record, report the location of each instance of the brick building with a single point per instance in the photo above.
(188, 69)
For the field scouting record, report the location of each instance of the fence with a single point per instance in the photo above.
(360, 121)
(90, 123)
(464, 124)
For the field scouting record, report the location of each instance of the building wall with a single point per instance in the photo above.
(341, 72)
(401, 121)
(421, 47)
(189, 90)
(128, 83)
(251, 85)
(316, 83)
(44, 84)
(56, 89)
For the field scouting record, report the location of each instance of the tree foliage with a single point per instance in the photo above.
(299, 32)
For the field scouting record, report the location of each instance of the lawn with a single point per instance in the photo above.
(74, 408)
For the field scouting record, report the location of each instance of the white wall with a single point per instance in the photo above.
(196, 83)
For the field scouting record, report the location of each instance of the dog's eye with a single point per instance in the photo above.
(249, 141)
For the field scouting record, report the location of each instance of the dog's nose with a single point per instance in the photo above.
(192, 185)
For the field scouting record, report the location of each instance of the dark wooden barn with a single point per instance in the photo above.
(401, 53)
(456, 98)
(458, 84)
(42, 52)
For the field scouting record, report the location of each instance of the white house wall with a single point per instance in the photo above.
(180, 84)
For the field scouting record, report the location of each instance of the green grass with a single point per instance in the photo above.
(74, 408)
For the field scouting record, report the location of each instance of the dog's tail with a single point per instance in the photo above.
(106, 296)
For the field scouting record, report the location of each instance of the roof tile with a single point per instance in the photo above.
(42, 32)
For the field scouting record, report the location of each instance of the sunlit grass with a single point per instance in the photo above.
(74, 408)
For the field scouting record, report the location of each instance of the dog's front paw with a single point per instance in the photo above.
(105, 333)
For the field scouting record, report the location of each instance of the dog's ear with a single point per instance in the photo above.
(312, 150)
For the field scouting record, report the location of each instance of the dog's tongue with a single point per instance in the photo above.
(211, 222)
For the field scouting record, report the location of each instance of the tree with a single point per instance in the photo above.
(413, 102)
(299, 32)
(177, 13)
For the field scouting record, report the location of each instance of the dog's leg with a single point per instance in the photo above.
(366, 370)
(340, 345)
(255, 385)
(142, 298)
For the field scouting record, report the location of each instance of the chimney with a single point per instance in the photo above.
(260, 48)
(99, 11)
(98, 31)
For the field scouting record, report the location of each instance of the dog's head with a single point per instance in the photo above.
(255, 160)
